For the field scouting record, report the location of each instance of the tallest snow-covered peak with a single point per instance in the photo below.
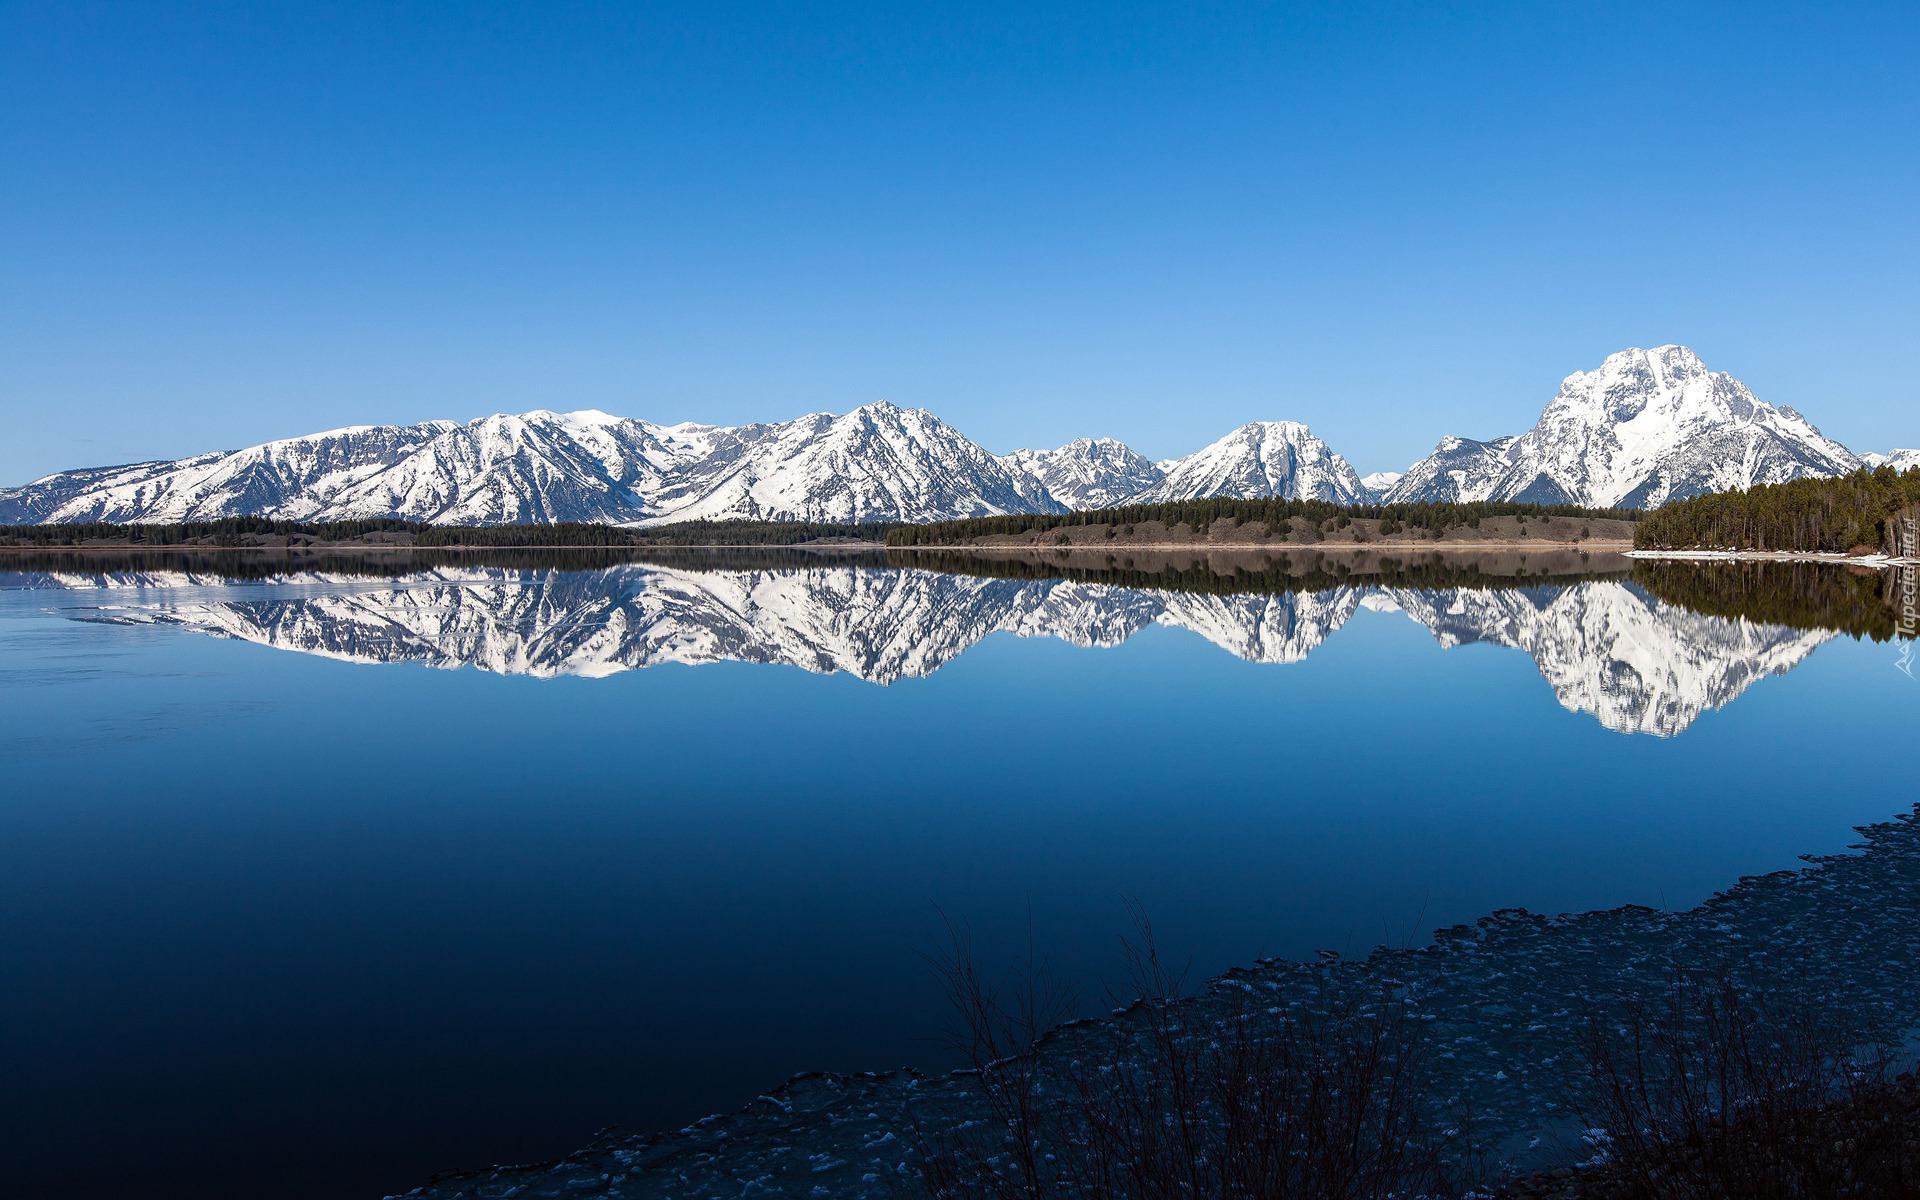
(1654, 425)
(880, 410)
(1623, 386)
(1644, 427)
(1666, 364)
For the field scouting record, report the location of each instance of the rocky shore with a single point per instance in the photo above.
(1875, 1139)
(1503, 1003)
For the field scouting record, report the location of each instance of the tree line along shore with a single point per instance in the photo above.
(1869, 511)
(1189, 523)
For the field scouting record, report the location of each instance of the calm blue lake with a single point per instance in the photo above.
(318, 883)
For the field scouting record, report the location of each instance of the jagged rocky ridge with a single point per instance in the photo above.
(1608, 649)
(1646, 427)
(878, 462)
(1265, 458)
(1088, 472)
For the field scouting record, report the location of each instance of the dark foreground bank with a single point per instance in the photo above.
(1679, 1045)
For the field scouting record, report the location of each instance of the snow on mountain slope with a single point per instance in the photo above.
(876, 463)
(1899, 460)
(1086, 473)
(542, 466)
(1379, 483)
(1646, 427)
(39, 501)
(1459, 469)
(1264, 458)
(294, 478)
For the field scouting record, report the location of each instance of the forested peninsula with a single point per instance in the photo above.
(1868, 512)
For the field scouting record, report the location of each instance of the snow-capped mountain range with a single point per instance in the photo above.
(1647, 426)
(1608, 649)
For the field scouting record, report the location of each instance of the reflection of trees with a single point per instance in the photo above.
(1803, 595)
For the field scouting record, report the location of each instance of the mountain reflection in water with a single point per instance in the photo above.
(1609, 646)
(439, 917)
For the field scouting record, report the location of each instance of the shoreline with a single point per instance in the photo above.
(1624, 549)
(1597, 546)
(1876, 561)
(858, 1135)
(177, 547)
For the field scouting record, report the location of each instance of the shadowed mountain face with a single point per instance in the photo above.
(1608, 649)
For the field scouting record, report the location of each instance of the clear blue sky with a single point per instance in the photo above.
(226, 223)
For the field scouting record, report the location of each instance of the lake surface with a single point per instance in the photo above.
(316, 879)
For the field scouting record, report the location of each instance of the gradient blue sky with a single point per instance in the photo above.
(233, 222)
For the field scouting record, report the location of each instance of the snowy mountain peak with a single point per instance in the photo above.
(879, 462)
(1459, 469)
(1665, 365)
(1086, 472)
(1379, 483)
(579, 418)
(1899, 460)
(1645, 427)
(1631, 381)
(1259, 459)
